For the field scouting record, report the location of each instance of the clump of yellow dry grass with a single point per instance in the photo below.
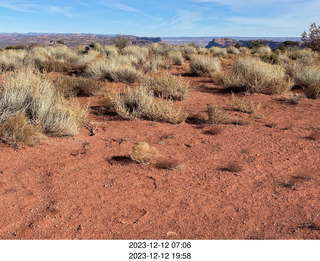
(309, 78)
(70, 86)
(217, 115)
(26, 91)
(256, 76)
(167, 86)
(204, 66)
(117, 69)
(141, 103)
(143, 153)
(242, 105)
(17, 130)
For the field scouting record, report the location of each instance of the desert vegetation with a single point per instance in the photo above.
(155, 122)
(40, 83)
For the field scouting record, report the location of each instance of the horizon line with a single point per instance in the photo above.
(111, 34)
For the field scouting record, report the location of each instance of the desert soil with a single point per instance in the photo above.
(86, 187)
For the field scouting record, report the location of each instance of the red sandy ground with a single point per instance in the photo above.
(86, 187)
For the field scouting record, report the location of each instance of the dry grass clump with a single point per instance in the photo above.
(309, 77)
(264, 50)
(98, 68)
(27, 91)
(167, 86)
(242, 105)
(301, 54)
(216, 51)
(188, 51)
(49, 64)
(175, 57)
(170, 164)
(244, 50)
(53, 59)
(117, 70)
(140, 53)
(11, 59)
(141, 103)
(256, 76)
(70, 86)
(217, 115)
(110, 50)
(233, 50)
(203, 51)
(143, 153)
(154, 64)
(17, 130)
(204, 66)
(106, 101)
(124, 74)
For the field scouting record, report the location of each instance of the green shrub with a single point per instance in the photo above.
(121, 41)
(312, 39)
(270, 58)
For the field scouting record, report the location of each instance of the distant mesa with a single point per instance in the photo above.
(70, 40)
(225, 42)
(147, 40)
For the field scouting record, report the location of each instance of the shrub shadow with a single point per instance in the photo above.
(122, 160)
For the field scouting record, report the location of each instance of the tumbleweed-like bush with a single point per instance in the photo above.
(204, 66)
(27, 91)
(143, 153)
(167, 86)
(256, 76)
(141, 103)
(309, 78)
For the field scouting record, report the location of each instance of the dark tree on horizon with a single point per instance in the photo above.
(312, 39)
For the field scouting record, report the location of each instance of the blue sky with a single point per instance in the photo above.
(161, 18)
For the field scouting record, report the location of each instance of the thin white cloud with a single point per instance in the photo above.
(59, 10)
(120, 6)
(32, 7)
(246, 3)
(185, 17)
(20, 6)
